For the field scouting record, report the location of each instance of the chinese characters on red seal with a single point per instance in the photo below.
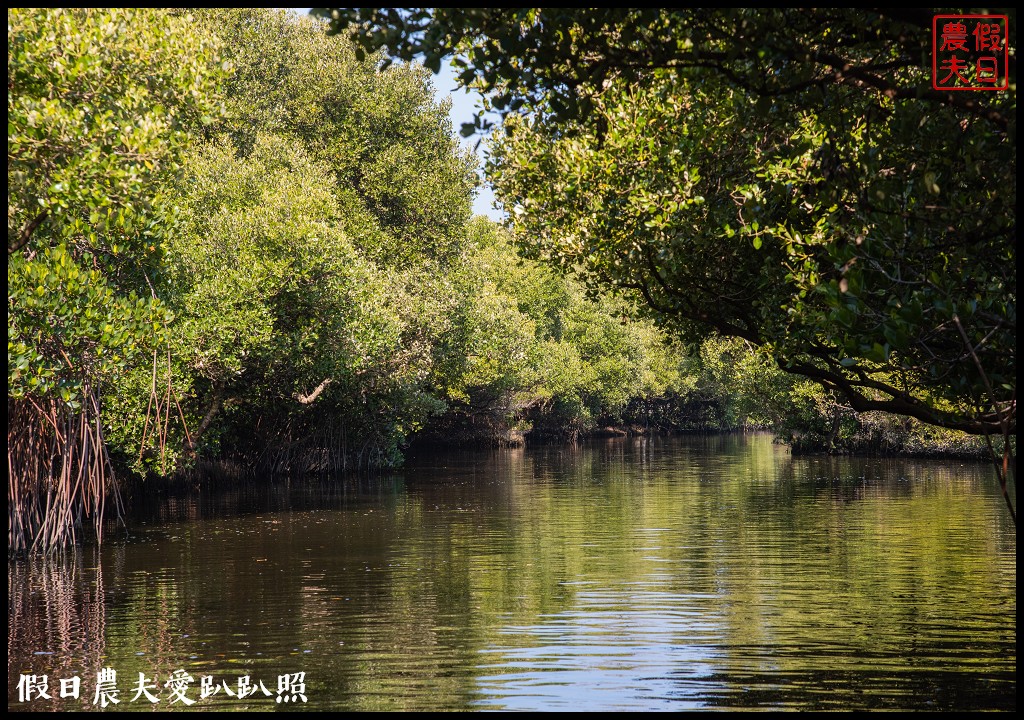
(970, 52)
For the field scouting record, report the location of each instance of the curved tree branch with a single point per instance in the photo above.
(307, 399)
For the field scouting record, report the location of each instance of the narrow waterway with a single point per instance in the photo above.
(629, 574)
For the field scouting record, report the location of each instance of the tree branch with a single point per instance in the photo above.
(307, 399)
(26, 232)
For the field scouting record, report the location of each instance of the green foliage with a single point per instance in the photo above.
(315, 229)
(99, 106)
(787, 176)
(532, 350)
(865, 296)
(403, 183)
(270, 296)
(299, 251)
(320, 294)
(66, 327)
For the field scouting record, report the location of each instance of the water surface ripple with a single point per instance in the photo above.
(636, 574)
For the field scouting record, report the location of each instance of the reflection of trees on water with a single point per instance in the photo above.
(56, 623)
(230, 496)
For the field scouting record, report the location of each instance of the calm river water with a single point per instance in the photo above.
(647, 574)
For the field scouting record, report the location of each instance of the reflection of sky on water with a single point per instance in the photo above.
(617, 649)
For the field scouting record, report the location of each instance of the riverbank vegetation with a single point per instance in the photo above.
(234, 237)
(794, 178)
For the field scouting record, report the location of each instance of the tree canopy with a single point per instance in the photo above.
(786, 176)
